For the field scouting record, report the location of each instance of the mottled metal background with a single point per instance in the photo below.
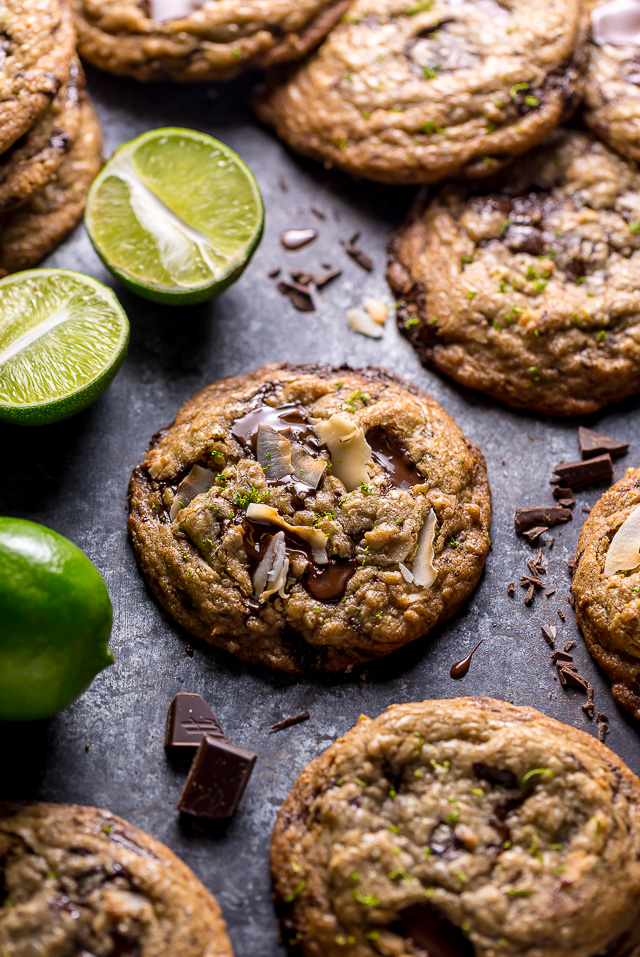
(73, 477)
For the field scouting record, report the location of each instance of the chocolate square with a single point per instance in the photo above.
(188, 720)
(217, 779)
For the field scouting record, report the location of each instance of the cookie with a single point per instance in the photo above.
(79, 880)
(460, 827)
(196, 40)
(411, 92)
(308, 517)
(35, 158)
(36, 48)
(526, 287)
(612, 90)
(606, 587)
(32, 231)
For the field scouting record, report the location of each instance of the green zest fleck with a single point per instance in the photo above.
(531, 100)
(431, 127)
(478, 792)
(453, 817)
(365, 488)
(462, 877)
(368, 900)
(107, 829)
(544, 772)
(517, 88)
(419, 7)
(410, 323)
(535, 376)
(520, 892)
(470, 293)
(634, 227)
(360, 782)
(393, 828)
(373, 935)
(342, 143)
(430, 72)
(505, 226)
(601, 336)
(298, 889)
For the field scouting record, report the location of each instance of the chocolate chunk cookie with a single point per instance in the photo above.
(612, 93)
(463, 827)
(35, 158)
(311, 517)
(526, 287)
(199, 40)
(33, 230)
(409, 92)
(79, 880)
(606, 587)
(37, 44)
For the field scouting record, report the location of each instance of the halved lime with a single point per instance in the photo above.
(63, 337)
(175, 215)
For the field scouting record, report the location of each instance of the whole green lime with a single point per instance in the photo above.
(55, 621)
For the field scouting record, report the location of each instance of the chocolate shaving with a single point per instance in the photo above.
(327, 277)
(274, 272)
(569, 645)
(303, 278)
(570, 675)
(534, 533)
(528, 598)
(560, 656)
(588, 708)
(565, 495)
(585, 508)
(318, 213)
(570, 565)
(527, 519)
(593, 444)
(561, 614)
(353, 250)
(289, 722)
(549, 592)
(511, 589)
(586, 471)
(603, 725)
(549, 635)
(298, 294)
(526, 580)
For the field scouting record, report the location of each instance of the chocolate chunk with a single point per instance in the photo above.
(549, 592)
(569, 645)
(534, 533)
(586, 509)
(561, 614)
(528, 598)
(565, 495)
(289, 722)
(603, 725)
(357, 254)
(588, 708)
(595, 443)
(501, 776)
(560, 656)
(428, 932)
(585, 471)
(217, 779)
(527, 519)
(511, 589)
(326, 277)
(549, 635)
(569, 675)
(298, 294)
(188, 720)
(274, 272)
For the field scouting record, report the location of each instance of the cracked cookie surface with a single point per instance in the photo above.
(201, 41)
(299, 548)
(526, 287)
(460, 827)
(411, 92)
(607, 601)
(612, 89)
(79, 880)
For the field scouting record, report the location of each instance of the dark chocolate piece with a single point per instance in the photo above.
(560, 656)
(588, 708)
(603, 725)
(561, 614)
(569, 645)
(549, 592)
(564, 495)
(585, 471)
(217, 778)
(534, 533)
(549, 635)
(298, 294)
(528, 598)
(274, 272)
(289, 722)
(527, 519)
(188, 720)
(511, 589)
(595, 443)
(429, 932)
(569, 675)
(357, 254)
(327, 277)
(500, 776)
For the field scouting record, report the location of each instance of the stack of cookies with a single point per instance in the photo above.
(50, 141)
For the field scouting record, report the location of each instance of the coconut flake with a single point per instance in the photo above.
(424, 571)
(361, 321)
(348, 448)
(406, 574)
(162, 10)
(270, 576)
(305, 468)
(273, 451)
(376, 309)
(316, 539)
(624, 550)
(198, 480)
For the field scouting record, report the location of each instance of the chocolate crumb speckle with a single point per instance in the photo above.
(289, 722)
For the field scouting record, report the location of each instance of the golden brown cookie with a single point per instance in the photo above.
(606, 587)
(310, 517)
(79, 880)
(462, 827)
(526, 286)
(405, 91)
(196, 40)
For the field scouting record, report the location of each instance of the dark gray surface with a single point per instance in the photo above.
(73, 477)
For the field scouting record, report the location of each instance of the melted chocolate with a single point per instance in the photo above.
(617, 23)
(430, 934)
(283, 418)
(297, 238)
(461, 668)
(329, 582)
(400, 469)
(257, 536)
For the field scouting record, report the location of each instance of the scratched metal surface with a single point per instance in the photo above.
(73, 476)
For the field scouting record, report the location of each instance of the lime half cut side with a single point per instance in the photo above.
(175, 215)
(63, 337)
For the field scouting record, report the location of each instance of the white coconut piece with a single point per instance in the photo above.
(273, 451)
(377, 310)
(406, 574)
(348, 448)
(360, 321)
(424, 571)
(161, 11)
(270, 576)
(305, 468)
(198, 480)
(624, 550)
(316, 539)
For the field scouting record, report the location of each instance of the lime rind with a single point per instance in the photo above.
(176, 215)
(63, 337)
